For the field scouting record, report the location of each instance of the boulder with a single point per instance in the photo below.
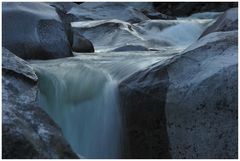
(107, 34)
(81, 44)
(186, 106)
(34, 31)
(62, 8)
(227, 22)
(27, 131)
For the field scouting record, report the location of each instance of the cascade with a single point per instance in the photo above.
(81, 93)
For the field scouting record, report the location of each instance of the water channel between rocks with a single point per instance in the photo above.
(81, 93)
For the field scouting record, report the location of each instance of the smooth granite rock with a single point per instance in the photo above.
(34, 31)
(185, 107)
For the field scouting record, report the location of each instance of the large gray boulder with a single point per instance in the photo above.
(226, 22)
(186, 106)
(34, 31)
(27, 131)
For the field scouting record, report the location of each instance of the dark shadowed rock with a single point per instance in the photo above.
(81, 44)
(187, 8)
(34, 31)
(62, 9)
(160, 16)
(185, 107)
(27, 131)
(144, 115)
(132, 48)
(227, 22)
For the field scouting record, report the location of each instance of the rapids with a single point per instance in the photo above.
(81, 93)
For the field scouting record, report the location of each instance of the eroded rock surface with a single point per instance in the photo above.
(27, 131)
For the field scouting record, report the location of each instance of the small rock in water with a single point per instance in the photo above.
(81, 44)
(131, 48)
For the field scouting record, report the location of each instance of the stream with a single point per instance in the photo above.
(81, 93)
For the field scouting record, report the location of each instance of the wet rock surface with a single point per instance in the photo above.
(27, 131)
(189, 105)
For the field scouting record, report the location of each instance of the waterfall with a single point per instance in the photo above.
(84, 102)
(81, 93)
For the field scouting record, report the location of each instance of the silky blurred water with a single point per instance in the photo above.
(81, 93)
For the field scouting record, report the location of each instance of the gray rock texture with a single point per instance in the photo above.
(226, 22)
(27, 131)
(34, 31)
(78, 42)
(185, 107)
(108, 34)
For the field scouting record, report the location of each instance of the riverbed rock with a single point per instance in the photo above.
(185, 107)
(34, 31)
(81, 44)
(27, 131)
(227, 22)
(108, 34)
(132, 48)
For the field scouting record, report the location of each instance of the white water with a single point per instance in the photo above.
(81, 93)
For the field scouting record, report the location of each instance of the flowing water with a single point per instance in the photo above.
(81, 93)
